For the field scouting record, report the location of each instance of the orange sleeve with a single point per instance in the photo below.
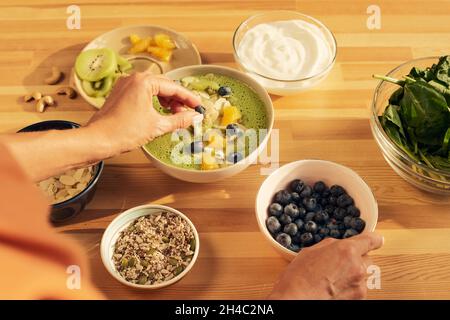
(35, 262)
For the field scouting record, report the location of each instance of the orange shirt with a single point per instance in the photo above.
(35, 262)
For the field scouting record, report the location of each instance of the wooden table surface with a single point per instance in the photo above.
(329, 122)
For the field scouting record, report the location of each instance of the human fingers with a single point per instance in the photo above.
(164, 87)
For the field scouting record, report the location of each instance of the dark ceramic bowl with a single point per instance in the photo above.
(63, 211)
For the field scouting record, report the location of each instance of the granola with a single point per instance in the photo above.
(154, 248)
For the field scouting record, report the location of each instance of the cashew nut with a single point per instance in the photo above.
(68, 91)
(34, 96)
(55, 77)
(43, 102)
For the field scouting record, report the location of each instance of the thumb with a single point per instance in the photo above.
(183, 119)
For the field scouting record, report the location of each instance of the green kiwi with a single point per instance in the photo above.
(99, 88)
(123, 64)
(96, 64)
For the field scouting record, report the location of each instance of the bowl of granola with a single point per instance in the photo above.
(150, 247)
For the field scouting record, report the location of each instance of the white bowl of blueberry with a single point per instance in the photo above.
(306, 201)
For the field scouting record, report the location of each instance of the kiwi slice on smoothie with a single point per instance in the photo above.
(96, 64)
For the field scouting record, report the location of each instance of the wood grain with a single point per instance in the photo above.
(329, 122)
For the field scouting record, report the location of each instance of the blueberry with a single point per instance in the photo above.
(295, 197)
(339, 213)
(235, 157)
(300, 224)
(344, 201)
(283, 197)
(321, 217)
(285, 219)
(275, 209)
(306, 238)
(320, 187)
(294, 247)
(311, 226)
(334, 233)
(337, 190)
(317, 238)
(224, 91)
(326, 194)
(310, 203)
(292, 210)
(309, 216)
(291, 229)
(233, 130)
(318, 208)
(297, 238)
(332, 225)
(273, 224)
(349, 233)
(353, 211)
(200, 109)
(306, 192)
(284, 239)
(196, 146)
(347, 221)
(297, 185)
(324, 232)
(302, 212)
(316, 195)
(341, 227)
(329, 209)
(358, 224)
(323, 202)
(332, 201)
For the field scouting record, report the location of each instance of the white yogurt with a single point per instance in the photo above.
(286, 50)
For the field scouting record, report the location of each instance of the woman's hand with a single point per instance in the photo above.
(128, 119)
(331, 269)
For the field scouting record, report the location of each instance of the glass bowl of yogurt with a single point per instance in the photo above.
(285, 51)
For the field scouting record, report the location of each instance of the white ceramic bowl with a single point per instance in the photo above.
(285, 87)
(311, 171)
(121, 222)
(206, 176)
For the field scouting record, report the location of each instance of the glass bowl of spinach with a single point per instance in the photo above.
(411, 122)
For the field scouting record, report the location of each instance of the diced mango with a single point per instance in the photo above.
(209, 162)
(216, 140)
(231, 115)
(160, 53)
(134, 38)
(140, 46)
(164, 41)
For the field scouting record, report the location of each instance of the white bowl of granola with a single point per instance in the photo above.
(150, 246)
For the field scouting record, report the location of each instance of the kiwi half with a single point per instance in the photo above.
(99, 88)
(96, 64)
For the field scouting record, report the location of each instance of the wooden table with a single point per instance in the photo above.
(329, 122)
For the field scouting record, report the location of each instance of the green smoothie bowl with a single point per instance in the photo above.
(237, 121)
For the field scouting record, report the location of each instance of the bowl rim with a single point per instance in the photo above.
(261, 224)
(77, 80)
(376, 125)
(303, 16)
(246, 159)
(93, 180)
(107, 261)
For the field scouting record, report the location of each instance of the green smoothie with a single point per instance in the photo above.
(252, 115)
